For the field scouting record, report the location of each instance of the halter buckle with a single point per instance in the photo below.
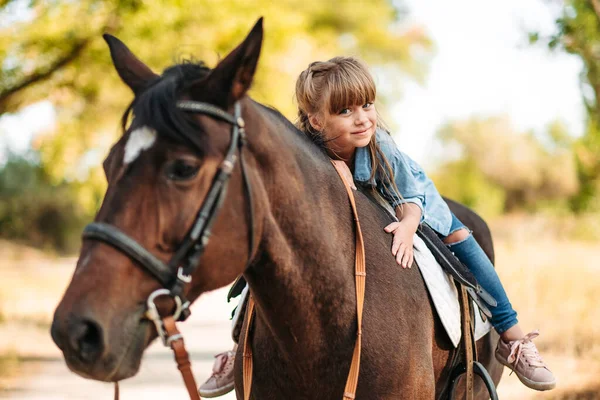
(153, 315)
(228, 164)
(183, 277)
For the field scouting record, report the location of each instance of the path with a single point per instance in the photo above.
(207, 332)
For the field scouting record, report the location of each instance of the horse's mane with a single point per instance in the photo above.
(289, 125)
(279, 117)
(156, 106)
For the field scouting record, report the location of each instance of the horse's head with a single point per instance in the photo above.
(164, 176)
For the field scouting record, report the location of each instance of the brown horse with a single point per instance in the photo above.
(297, 255)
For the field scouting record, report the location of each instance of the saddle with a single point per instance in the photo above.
(456, 269)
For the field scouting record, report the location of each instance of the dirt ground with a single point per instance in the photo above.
(554, 286)
(43, 375)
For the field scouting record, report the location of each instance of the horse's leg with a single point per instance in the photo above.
(416, 383)
(419, 380)
(425, 383)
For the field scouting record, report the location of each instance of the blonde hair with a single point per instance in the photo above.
(334, 85)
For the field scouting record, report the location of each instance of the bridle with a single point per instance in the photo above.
(174, 275)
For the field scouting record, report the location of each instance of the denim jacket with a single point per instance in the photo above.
(415, 187)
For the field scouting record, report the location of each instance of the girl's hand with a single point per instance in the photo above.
(402, 244)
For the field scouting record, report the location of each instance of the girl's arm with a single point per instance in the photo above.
(409, 216)
(411, 200)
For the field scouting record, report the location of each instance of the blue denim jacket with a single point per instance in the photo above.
(415, 187)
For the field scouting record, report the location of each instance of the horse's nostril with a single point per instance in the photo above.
(86, 339)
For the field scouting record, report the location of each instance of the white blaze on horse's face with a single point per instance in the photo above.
(140, 139)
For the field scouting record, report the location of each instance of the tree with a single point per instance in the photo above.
(497, 169)
(56, 53)
(36, 212)
(578, 32)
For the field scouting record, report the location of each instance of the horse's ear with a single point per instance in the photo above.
(132, 71)
(232, 77)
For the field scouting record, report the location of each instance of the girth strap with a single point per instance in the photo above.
(469, 345)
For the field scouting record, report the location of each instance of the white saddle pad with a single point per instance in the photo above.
(445, 294)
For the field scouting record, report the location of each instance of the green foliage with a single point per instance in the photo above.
(499, 169)
(57, 54)
(578, 32)
(36, 211)
(464, 182)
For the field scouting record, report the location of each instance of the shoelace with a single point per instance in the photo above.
(525, 348)
(221, 360)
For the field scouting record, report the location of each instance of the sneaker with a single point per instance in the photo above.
(222, 380)
(522, 357)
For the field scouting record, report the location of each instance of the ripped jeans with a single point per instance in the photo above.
(472, 255)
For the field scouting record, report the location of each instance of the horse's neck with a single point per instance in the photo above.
(302, 277)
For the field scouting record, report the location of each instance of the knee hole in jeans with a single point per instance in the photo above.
(458, 236)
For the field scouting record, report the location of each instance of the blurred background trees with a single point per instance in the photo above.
(36, 210)
(578, 32)
(497, 170)
(538, 186)
(52, 52)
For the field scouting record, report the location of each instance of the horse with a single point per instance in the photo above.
(284, 224)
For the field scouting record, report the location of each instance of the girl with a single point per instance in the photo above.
(336, 110)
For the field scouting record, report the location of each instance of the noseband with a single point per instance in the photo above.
(174, 275)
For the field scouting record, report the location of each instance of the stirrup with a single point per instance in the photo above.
(478, 369)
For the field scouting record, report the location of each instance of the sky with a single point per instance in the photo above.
(482, 66)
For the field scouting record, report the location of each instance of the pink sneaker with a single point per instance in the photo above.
(522, 357)
(222, 380)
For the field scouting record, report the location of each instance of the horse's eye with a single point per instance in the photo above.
(180, 170)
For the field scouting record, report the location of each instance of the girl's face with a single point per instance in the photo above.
(348, 129)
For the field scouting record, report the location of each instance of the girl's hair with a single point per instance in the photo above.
(334, 85)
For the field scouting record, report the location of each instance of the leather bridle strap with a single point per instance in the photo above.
(469, 346)
(247, 362)
(177, 272)
(115, 237)
(360, 279)
(182, 358)
(193, 246)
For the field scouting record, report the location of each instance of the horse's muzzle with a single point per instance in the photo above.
(89, 351)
